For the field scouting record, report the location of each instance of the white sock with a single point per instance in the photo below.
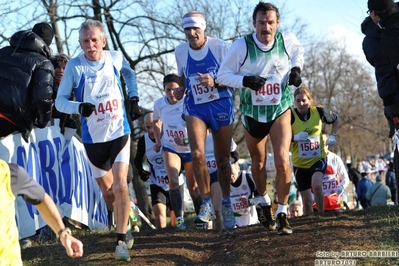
(281, 208)
(267, 199)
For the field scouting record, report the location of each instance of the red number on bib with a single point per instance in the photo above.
(269, 89)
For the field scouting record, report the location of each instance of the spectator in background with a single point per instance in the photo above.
(159, 181)
(390, 181)
(15, 181)
(94, 77)
(381, 165)
(296, 209)
(385, 15)
(378, 193)
(364, 166)
(380, 172)
(384, 73)
(26, 78)
(59, 62)
(362, 187)
(354, 176)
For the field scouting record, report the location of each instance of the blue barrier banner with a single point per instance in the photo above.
(62, 168)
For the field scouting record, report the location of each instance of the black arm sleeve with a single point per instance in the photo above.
(138, 159)
(23, 185)
(327, 116)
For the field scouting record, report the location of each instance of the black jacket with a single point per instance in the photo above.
(390, 37)
(26, 78)
(372, 48)
(390, 40)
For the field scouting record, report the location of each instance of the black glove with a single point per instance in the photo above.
(135, 111)
(43, 110)
(86, 109)
(295, 77)
(71, 123)
(144, 175)
(253, 82)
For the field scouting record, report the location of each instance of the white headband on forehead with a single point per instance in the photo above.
(193, 22)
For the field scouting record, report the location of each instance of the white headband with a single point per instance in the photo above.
(193, 22)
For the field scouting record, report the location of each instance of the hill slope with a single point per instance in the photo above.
(319, 235)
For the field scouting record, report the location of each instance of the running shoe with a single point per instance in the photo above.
(202, 226)
(267, 219)
(130, 227)
(121, 252)
(206, 213)
(265, 212)
(229, 222)
(284, 227)
(129, 239)
(180, 224)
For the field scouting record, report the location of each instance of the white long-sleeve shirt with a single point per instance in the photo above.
(336, 163)
(74, 71)
(230, 73)
(98, 83)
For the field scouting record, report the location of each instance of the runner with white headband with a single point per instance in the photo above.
(208, 104)
(193, 22)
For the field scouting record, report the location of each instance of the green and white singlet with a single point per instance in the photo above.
(275, 97)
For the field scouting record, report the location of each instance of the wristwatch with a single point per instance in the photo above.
(66, 229)
(216, 83)
(135, 98)
(185, 141)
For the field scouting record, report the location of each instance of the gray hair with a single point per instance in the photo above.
(195, 13)
(91, 23)
(59, 58)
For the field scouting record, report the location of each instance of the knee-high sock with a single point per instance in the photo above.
(197, 204)
(176, 201)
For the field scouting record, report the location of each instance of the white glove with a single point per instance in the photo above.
(340, 189)
(301, 136)
(331, 140)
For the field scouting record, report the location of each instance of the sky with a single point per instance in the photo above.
(331, 20)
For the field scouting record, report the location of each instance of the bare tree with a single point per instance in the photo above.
(342, 84)
(147, 31)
